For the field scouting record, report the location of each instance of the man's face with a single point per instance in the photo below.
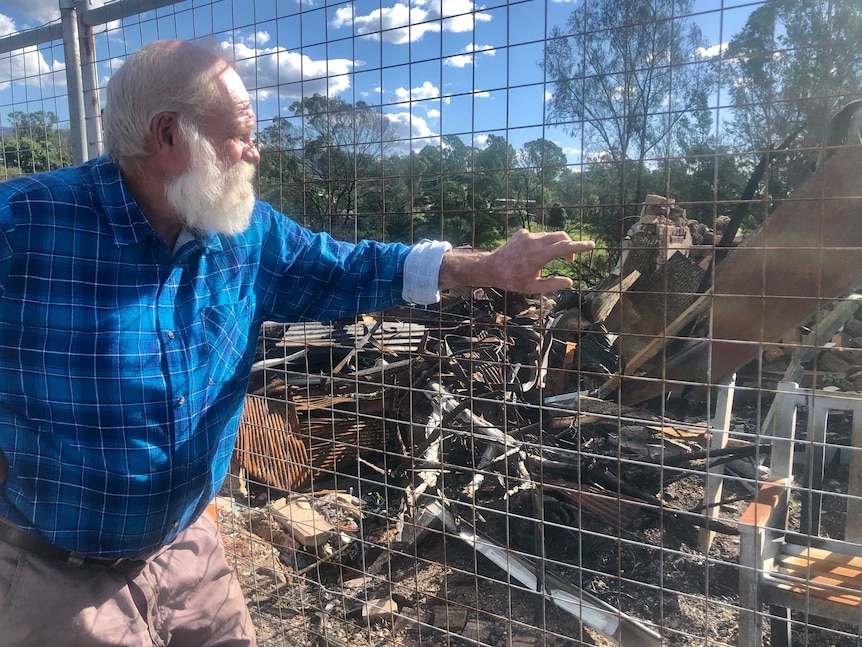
(216, 193)
(212, 195)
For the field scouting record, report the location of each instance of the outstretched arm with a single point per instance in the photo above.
(515, 266)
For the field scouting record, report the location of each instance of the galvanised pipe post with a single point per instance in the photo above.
(72, 52)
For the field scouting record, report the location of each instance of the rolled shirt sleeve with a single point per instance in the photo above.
(421, 271)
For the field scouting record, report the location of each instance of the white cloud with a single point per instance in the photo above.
(549, 96)
(258, 38)
(425, 91)
(27, 66)
(479, 94)
(480, 141)
(460, 60)
(7, 25)
(401, 23)
(468, 58)
(433, 113)
(412, 132)
(40, 11)
(710, 52)
(343, 17)
(114, 64)
(276, 70)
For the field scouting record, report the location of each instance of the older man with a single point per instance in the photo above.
(132, 291)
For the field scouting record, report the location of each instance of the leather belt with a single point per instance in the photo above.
(15, 536)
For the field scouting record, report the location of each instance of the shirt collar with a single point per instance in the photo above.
(127, 222)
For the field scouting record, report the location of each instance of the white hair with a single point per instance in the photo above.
(160, 77)
(211, 195)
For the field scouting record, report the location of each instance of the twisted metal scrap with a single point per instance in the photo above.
(427, 503)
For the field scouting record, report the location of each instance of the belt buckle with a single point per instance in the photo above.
(78, 560)
(74, 559)
(118, 561)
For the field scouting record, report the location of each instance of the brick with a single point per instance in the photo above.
(305, 524)
(379, 609)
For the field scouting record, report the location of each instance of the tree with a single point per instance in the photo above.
(556, 217)
(280, 171)
(790, 68)
(38, 125)
(36, 144)
(457, 156)
(706, 181)
(546, 157)
(627, 72)
(492, 197)
(341, 144)
(491, 167)
(540, 162)
(441, 190)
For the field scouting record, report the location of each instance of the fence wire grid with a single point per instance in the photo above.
(668, 453)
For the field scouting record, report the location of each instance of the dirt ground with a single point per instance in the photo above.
(651, 570)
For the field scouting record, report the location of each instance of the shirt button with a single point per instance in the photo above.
(170, 334)
(181, 401)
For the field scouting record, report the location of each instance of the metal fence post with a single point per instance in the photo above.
(89, 81)
(72, 52)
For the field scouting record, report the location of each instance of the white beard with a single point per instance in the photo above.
(208, 197)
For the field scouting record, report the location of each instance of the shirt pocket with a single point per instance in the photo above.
(225, 329)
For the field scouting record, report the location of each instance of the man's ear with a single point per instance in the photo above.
(164, 129)
(166, 149)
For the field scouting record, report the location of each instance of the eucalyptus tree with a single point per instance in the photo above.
(343, 151)
(626, 75)
(792, 66)
(280, 172)
(539, 163)
(491, 193)
(438, 180)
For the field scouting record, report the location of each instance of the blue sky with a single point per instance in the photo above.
(434, 67)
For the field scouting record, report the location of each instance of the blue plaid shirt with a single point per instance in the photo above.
(123, 367)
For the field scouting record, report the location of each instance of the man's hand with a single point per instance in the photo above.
(515, 266)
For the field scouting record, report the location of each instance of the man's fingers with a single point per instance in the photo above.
(569, 249)
(551, 284)
(551, 236)
(519, 263)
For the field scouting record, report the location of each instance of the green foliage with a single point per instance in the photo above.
(556, 217)
(627, 79)
(316, 165)
(35, 144)
(615, 68)
(793, 65)
(707, 180)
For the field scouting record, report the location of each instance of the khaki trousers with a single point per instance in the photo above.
(184, 596)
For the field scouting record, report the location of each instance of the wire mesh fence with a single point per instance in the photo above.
(665, 454)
